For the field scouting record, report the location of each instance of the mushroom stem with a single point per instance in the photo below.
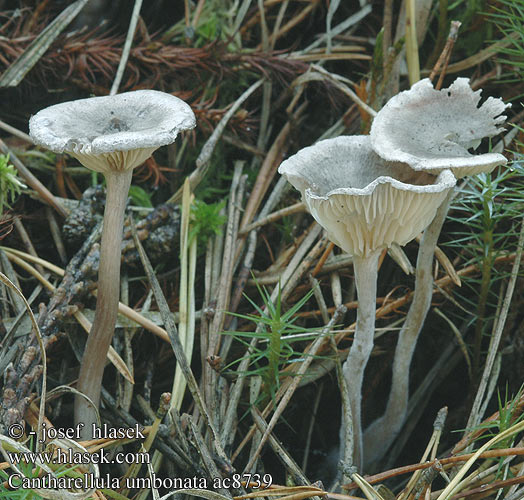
(366, 269)
(99, 339)
(382, 432)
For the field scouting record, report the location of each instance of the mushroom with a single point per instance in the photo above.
(365, 204)
(430, 130)
(111, 135)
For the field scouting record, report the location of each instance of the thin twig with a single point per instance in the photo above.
(18, 133)
(281, 453)
(224, 289)
(127, 47)
(54, 229)
(446, 52)
(279, 214)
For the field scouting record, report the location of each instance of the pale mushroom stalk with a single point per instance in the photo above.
(99, 339)
(383, 431)
(365, 269)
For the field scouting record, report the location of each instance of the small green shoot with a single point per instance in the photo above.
(140, 197)
(10, 184)
(206, 220)
(276, 332)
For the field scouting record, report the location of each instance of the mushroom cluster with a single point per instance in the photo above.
(441, 127)
(111, 135)
(371, 192)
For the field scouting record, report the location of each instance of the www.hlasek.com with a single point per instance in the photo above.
(74, 457)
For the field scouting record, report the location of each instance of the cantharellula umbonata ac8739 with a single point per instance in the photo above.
(111, 135)
(365, 204)
(430, 130)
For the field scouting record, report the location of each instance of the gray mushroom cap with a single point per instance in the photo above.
(433, 129)
(108, 132)
(364, 202)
